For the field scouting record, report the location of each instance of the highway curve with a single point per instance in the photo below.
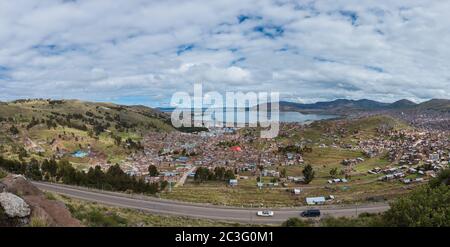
(170, 207)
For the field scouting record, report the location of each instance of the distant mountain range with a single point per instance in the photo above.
(344, 106)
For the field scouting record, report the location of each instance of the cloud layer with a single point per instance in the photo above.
(144, 51)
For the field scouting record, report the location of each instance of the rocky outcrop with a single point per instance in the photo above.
(19, 185)
(21, 202)
(14, 206)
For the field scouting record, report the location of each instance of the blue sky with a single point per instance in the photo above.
(140, 51)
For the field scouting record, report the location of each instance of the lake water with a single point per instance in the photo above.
(284, 116)
(297, 117)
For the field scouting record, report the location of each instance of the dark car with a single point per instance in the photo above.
(311, 213)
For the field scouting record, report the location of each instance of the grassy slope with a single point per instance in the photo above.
(93, 214)
(20, 114)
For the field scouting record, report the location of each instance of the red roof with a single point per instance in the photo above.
(236, 148)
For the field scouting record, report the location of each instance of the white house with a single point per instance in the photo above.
(315, 200)
(296, 191)
(233, 182)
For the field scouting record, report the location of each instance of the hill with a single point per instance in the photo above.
(441, 105)
(402, 104)
(346, 107)
(337, 104)
(105, 132)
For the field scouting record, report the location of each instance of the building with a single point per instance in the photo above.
(296, 191)
(315, 200)
(233, 182)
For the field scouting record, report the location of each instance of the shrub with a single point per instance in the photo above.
(296, 222)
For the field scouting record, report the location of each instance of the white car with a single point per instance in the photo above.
(265, 213)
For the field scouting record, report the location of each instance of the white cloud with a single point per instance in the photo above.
(318, 50)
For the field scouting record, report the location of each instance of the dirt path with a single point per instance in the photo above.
(184, 177)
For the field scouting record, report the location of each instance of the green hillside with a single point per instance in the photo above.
(46, 128)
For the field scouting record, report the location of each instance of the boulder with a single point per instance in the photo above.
(19, 185)
(14, 206)
(50, 212)
(53, 213)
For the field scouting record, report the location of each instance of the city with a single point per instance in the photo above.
(224, 122)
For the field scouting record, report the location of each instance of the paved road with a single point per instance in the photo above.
(169, 207)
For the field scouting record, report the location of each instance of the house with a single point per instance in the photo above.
(290, 156)
(315, 200)
(271, 185)
(298, 179)
(406, 181)
(434, 156)
(149, 179)
(233, 182)
(296, 191)
(169, 174)
(182, 159)
(359, 159)
(337, 180)
(412, 170)
(270, 173)
(260, 185)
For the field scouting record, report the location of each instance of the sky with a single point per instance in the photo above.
(143, 51)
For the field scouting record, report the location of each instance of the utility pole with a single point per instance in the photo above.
(170, 185)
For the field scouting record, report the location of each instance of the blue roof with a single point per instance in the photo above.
(79, 154)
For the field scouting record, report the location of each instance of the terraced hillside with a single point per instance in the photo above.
(83, 132)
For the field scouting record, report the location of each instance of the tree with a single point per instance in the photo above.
(14, 130)
(22, 153)
(66, 172)
(202, 174)
(426, 206)
(308, 173)
(95, 176)
(117, 140)
(153, 171)
(333, 172)
(163, 185)
(363, 220)
(442, 178)
(90, 133)
(307, 150)
(283, 173)
(229, 174)
(49, 167)
(33, 170)
(260, 168)
(219, 173)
